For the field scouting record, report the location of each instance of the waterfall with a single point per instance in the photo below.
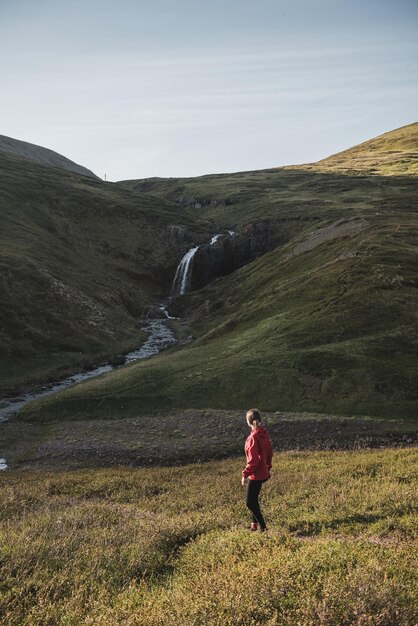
(183, 273)
(182, 279)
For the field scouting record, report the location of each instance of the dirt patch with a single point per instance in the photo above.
(189, 436)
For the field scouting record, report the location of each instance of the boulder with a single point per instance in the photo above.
(115, 361)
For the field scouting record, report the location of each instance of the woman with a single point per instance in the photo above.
(259, 453)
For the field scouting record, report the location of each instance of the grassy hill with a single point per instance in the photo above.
(79, 261)
(390, 154)
(168, 546)
(378, 174)
(326, 321)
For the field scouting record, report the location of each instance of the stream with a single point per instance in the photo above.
(160, 337)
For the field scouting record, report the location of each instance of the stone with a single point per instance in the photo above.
(117, 360)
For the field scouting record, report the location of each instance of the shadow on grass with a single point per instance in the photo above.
(311, 528)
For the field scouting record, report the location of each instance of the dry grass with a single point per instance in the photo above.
(168, 545)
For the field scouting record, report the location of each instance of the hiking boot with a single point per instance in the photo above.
(254, 526)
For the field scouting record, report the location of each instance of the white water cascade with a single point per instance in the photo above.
(182, 278)
(183, 273)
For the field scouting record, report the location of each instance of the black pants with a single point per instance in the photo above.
(253, 491)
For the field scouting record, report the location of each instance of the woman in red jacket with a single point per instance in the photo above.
(259, 453)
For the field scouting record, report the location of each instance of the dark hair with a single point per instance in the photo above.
(255, 416)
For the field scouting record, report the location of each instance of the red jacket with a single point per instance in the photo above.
(259, 453)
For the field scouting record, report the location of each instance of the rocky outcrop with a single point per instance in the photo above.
(177, 235)
(198, 203)
(181, 237)
(231, 252)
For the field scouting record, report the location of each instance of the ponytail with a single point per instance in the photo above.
(254, 417)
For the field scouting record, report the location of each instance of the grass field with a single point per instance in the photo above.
(168, 546)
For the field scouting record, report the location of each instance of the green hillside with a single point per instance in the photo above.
(79, 261)
(333, 188)
(325, 321)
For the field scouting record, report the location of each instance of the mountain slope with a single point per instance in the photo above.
(325, 321)
(393, 153)
(41, 155)
(80, 260)
(331, 328)
(378, 173)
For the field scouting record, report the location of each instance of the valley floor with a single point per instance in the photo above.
(185, 437)
(169, 546)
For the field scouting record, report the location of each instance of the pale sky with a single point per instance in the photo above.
(133, 89)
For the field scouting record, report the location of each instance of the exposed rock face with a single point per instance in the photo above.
(227, 251)
(180, 240)
(198, 203)
(180, 236)
(231, 252)
(177, 235)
